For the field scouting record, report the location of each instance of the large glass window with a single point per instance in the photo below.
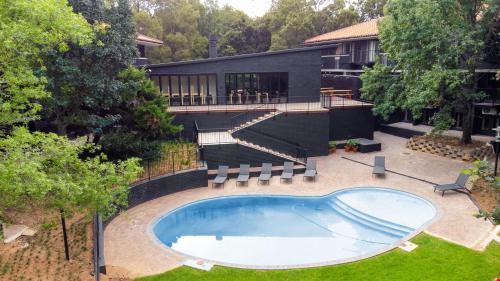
(194, 89)
(267, 87)
(165, 85)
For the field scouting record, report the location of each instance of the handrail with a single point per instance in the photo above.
(294, 150)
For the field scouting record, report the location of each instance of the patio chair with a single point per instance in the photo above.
(244, 174)
(265, 174)
(459, 184)
(310, 170)
(379, 166)
(221, 176)
(287, 171)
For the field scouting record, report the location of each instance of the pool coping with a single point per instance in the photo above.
(392, 246)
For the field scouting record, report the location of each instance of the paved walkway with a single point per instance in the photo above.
(129, 243)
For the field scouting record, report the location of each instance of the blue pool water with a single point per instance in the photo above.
(273, 231)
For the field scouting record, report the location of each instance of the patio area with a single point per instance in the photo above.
(130, 243)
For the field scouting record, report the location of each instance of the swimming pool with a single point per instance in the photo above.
(289, 231)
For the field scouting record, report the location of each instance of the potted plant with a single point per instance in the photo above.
(332, 146)
(352, 145)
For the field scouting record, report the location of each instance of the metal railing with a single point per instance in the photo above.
(283, 103)
(188, 157)
(271, 143)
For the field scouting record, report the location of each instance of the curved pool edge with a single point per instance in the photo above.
(156, 219)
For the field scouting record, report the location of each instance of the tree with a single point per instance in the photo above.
(84, 81)
(38, 167)
(27, 30)
(370, 9)
(438, 46)
(145, 125)
(48, 169)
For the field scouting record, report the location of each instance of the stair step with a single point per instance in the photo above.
(370, 221)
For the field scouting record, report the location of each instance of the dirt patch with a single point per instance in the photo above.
(486, 194)
(42, 257)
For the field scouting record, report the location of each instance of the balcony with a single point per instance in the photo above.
(353, 61)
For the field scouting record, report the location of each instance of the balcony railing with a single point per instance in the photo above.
(354, 60)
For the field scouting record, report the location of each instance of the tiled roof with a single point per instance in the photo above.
(146, 40)
(365, 29)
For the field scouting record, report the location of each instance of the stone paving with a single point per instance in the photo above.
(130, 245)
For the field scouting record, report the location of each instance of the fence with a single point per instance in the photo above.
(177, 157)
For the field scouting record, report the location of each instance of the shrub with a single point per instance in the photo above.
(122, 145)
(332, 144)
(481, 168)
(496, 214)
(352, 142)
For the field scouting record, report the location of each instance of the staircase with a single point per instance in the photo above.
(254, 121)
(270, 151)
(231, 136)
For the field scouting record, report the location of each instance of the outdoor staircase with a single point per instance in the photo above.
(270, 151)
(231, 136)
(255, 121)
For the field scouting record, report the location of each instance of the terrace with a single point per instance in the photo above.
(415, 171)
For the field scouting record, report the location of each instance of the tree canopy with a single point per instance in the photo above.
(437, 47)
(27, 30)
(185, 25)
(41, 167)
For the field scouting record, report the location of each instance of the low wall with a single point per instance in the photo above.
(234, 154)
(425, 145)
(167, 184)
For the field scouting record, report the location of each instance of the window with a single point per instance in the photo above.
(193, 89)
(257, 87)
(165, 85)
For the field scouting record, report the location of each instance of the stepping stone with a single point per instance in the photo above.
(29, 232)
(408, 246)
(12, 232)
(198, 264)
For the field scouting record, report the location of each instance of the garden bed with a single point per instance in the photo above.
(177, 156)
(41, 257)
(449, 147)
(486, 194)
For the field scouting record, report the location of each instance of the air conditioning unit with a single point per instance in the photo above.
(489, 111)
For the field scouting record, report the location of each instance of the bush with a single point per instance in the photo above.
(121, 145)
(332, 144)
(496, 214)
(352, 142)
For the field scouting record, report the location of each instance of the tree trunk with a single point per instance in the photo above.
(467, 124)
(65, 234)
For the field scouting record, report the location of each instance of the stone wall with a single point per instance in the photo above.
(422, 144)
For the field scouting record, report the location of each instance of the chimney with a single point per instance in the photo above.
(212, 46)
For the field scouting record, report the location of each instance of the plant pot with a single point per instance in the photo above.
(347, 148)
(354, 149)
(332, 150)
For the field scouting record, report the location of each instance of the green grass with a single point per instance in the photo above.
(434, 259)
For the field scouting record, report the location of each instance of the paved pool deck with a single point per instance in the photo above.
(131, 249)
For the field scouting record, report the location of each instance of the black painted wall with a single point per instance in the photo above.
(307, 130)
(353, 122)
(304, 68)
(234, 154)
(167, 184)
(212, 120)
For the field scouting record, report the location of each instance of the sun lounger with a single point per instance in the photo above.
(221, 176)
(310, 170)
(379, 166)
(459, 184)
(244, 174)
(287, 171)
(265, 174)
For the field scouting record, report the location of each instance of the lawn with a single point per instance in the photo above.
(434, 259)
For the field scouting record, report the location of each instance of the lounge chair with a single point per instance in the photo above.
(379, 166)
(310, 170)
(265, 174)
(287, 171)
(221, 176)
(459, 184)
(244, 174)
